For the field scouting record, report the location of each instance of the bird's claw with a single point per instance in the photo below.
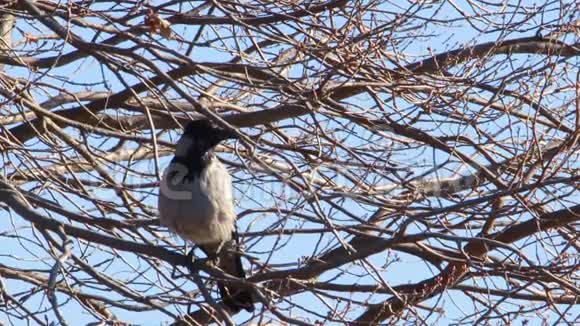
(195, 264)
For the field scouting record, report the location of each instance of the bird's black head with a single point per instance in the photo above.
(206, 131)
(194, 149)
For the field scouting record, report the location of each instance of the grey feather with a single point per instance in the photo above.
(199, 209)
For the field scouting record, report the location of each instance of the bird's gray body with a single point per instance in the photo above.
(196, 203)
(198, 208)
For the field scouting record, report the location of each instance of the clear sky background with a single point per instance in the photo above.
(255, 193)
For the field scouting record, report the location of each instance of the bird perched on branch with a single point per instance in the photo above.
(196, 203)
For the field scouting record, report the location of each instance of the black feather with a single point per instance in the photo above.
(230, 261)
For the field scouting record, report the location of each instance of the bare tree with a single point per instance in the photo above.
(401, 161)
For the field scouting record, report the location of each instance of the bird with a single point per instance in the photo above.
(196, 203)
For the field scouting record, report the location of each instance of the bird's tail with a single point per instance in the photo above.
(234, 297)
(230, 261)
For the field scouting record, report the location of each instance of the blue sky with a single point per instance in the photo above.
(88, 75)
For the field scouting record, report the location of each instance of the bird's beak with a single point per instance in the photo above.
(228, 134)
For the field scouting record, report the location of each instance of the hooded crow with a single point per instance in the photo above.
(196, 203)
